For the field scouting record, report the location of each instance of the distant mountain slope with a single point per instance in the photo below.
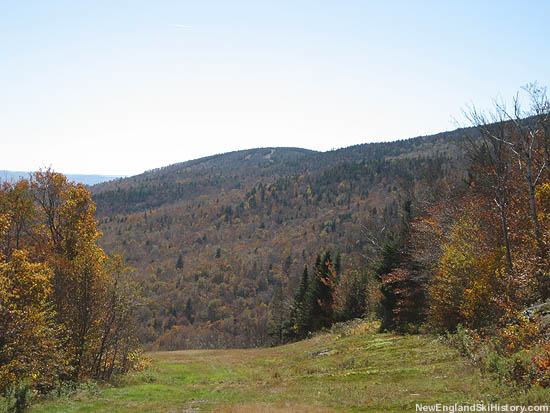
(79, 178)
(213, 239)
(187, 180)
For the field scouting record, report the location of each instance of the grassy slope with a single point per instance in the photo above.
(365, 371)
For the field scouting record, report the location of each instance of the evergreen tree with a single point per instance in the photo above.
(179, 264)
(319, 296)
(313, 306)
(390, 257)
(390, 260)
(355, 297)
(401, 281)
(338, 263)
(297, 323)
(302, 289)
(188, 312)
(278, 322)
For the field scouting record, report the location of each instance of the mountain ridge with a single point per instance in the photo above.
(294, 160)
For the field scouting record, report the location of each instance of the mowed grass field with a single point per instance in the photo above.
(352, 368)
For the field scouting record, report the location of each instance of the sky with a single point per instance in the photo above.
(120, 87)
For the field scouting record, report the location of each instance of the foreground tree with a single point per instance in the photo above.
(352, 294)
(66, 308)
(28, 347)
(494, 262)
(492, 166)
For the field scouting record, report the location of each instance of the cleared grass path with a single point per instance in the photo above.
(355, 369)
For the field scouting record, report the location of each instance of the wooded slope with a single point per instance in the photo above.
(214, 238)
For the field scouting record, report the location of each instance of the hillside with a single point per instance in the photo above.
(188, 180)
(213, 239)
(350, 369)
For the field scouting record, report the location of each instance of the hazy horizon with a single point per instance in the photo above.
(110, 175)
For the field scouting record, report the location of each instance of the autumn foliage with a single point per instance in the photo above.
(481, 249)
(66, 308)
(494, 258)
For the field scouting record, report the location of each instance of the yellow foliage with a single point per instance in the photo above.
(543, 198)
(467, 279)
(66, 308)
(25, 318)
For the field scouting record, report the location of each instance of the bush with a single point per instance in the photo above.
(510, 355)
(17, 398)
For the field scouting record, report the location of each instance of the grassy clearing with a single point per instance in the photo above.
(353, 369)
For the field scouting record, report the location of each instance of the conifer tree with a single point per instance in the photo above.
(188, 312)
(338, 263)
(179, 263)
(355, 296)
(298, 322)
(319, 296)
(278, 317)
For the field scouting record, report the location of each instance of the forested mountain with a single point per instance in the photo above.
(219, 243)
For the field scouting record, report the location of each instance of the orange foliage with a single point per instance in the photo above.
(66, 308)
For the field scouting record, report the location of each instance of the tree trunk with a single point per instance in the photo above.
(504, 223)
(533, 206)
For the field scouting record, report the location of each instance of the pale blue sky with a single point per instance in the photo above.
(119, 87)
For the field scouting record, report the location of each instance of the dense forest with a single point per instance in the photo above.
(220, 243)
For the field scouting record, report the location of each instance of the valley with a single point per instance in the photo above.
(212, 240)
